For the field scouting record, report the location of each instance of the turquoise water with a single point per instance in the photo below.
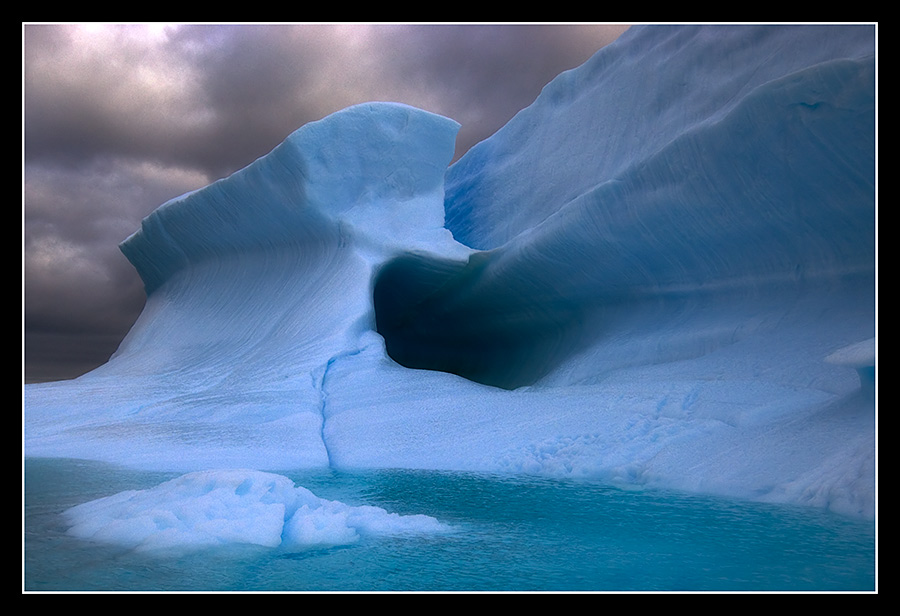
(510, 534)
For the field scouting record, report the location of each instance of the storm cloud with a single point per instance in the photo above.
(118, 119)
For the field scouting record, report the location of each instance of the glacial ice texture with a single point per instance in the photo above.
(650, 276)
(212, 508)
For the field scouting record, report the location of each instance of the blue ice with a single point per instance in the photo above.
(639, 279)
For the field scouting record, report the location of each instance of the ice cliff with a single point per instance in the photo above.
(660, 273)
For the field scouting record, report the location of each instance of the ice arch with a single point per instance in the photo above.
(713, 232)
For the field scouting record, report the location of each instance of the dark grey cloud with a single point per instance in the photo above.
(118, 119)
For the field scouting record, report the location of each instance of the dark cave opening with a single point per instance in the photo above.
(457, 317)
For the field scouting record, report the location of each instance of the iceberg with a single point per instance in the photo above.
(209, 508)
(662, 273)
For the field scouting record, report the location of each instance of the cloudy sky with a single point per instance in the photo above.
(118, 119)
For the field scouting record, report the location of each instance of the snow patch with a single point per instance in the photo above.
(209, 508)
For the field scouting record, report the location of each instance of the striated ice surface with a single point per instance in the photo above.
(644, 278)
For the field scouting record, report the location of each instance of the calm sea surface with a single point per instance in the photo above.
(510, 534)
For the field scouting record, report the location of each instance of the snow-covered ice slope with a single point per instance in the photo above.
(256, 284)
(652, 274)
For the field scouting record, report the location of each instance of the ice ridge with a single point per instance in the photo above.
(647, 276)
